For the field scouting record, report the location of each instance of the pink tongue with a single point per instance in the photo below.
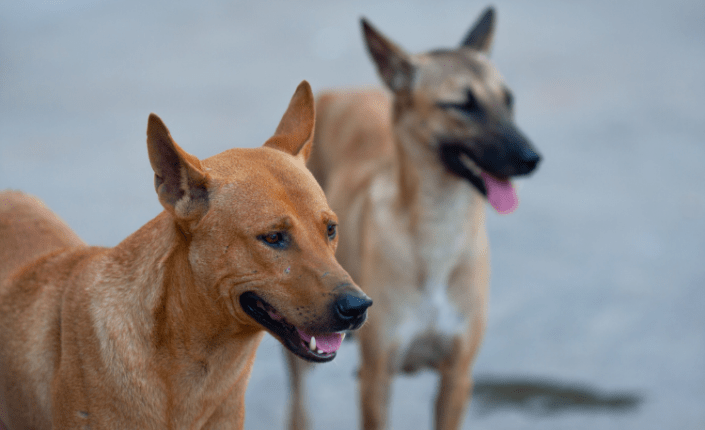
(500, 193)
(325, 342)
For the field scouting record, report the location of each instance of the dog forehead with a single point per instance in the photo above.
(448, 74)
(266, 178)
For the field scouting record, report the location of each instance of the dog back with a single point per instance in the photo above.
(29, 229)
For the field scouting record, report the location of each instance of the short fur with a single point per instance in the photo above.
(402, 173)
(156, 332)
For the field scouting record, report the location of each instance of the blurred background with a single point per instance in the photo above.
(597, 313)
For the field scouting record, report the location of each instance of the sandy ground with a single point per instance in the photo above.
(598, 291)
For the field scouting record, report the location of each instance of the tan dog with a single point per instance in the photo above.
(408, 176)
(160, 332)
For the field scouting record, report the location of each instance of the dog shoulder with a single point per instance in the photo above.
(353, 126)
(351, 101)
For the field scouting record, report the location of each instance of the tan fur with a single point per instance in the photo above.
(412, 234)
(150, 334)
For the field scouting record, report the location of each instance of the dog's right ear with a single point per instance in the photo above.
(294, 134)
(179, 178)
(394, 65)
(480, 36)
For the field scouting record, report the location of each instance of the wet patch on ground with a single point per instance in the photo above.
(545, 397)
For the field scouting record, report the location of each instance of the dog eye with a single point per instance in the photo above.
(277, 239)
(332, 231)
(471, 105)
(508, 99)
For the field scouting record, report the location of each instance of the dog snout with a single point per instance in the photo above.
(351, 308)
(508, 152)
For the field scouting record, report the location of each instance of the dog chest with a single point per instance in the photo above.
(432, 320)
(426, 332)
(425, 318)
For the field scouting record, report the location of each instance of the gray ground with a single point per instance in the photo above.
(598, 291)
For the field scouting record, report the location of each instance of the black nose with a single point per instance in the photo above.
(528, 160)
(351, 306)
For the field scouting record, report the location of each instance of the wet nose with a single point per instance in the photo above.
(351, 306)
(528, 160)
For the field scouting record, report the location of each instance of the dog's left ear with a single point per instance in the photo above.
(294, 134)
(393, 64)
(179, 178)
(480, 36)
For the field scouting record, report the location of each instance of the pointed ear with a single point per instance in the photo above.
(393, 64)
(480, 36)
(294, 134)
(180, 181)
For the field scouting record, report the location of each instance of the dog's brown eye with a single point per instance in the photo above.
(332, 231)
(278, 239)
(273, 238)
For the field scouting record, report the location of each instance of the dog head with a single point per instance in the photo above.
(454, 105)
(261, 237)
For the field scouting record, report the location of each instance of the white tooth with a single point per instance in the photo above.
(319, 351)
(312, 345)
(467, 161)
(342, 337)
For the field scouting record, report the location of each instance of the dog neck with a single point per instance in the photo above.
(158, 280)
(443, 211)
(191, 338)
(425, 188)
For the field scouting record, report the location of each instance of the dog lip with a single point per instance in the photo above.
(451, 154)
(495, 186)
(288, 334)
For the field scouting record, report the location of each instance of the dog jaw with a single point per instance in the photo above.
(292, 337)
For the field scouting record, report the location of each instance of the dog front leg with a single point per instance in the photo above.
(229, 415)
(298, 368)
(455, 388)
(375, 382)
(453, 397)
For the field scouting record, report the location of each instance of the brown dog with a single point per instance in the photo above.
(160, 332)
(408, 176)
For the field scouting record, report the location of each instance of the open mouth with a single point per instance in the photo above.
(498, 190)
(316, 347)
